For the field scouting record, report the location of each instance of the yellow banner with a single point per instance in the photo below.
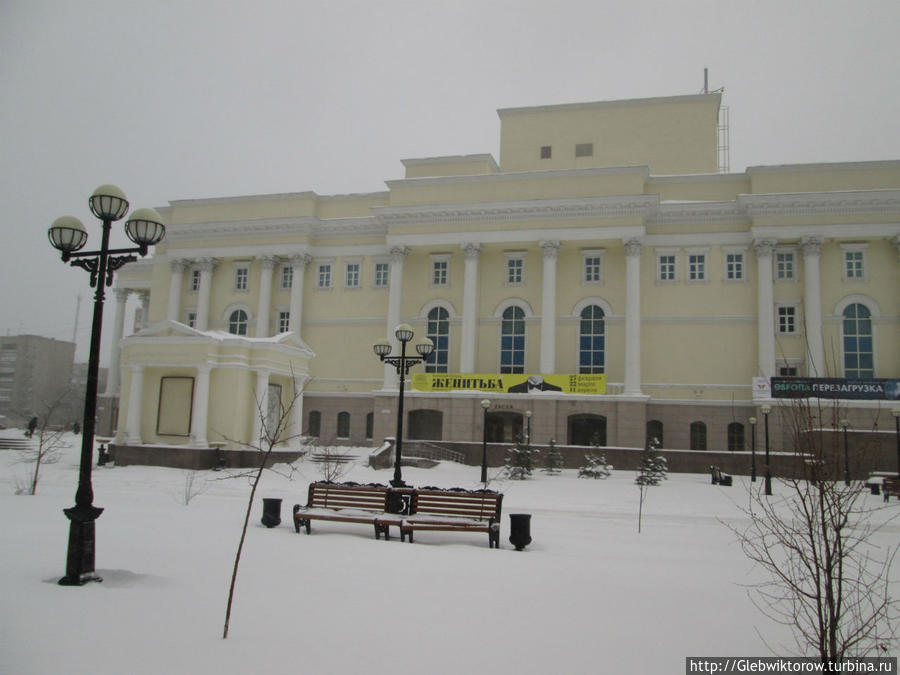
(509, 383)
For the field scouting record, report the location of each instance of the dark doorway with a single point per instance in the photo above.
(503, 427)
(425, 425)
(586, 429)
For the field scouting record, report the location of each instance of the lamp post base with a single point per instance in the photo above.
(80, 555)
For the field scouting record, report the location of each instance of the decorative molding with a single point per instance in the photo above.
(764, 247)
(835, 203)
(256, 228)
(811, 246)
(676, 213)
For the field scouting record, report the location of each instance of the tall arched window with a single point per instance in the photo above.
(370, 425)
(859, 361)
(592, 341)
(343, 425)
(655, 431)
(314, 426)
(698, 436)
(512, 340)
(438, 331)
(736, 437)
(237, 322)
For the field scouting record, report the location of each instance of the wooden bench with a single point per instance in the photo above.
(890, 486)
(455, 510)
(376, 505)
(719, 478)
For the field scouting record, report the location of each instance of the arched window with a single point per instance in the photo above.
(512, 340)
(314, 425)
(735, 437)
(370, 425)
(237, 322)
(592, 341)
(859, 361)
(698, 436)
(655, 431)
(343, 425)
(438, 331)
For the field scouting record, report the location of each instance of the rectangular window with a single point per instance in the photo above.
(382, 275)
(696, 267)
(353, 275)
(515, 267)
(174, 412)
(592, 269)
(853, 265)
(287, 277)
(784, 265)
(787, 371)
(734, 266)
(284, 321)
(324, 275)
(546, 152)
(439, 272)
(584, 150)
(192, 319)
(241, 277)
(666, 267)
(195, 280)
(787, 320)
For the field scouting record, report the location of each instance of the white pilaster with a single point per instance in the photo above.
(173, 311)
(135, 404)
(765, 307)
(261, 409)
(472, 253)
(296, 421)
(548, 306)
(206, 265)
(298, 267)
(142, 315)
(200, 407)
(812, 306)
(398, 255)
(266, 265)
(112, 377)
(633, 317)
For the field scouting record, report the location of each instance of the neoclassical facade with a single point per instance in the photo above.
(605, 241)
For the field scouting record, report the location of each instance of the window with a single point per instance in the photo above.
(734, 266)
(592, 341)
(192, 319)
(287, 277)
(665, 267)
(241, 277)
(859, 360)
(787, 320)
(787, 371)
(546, 152)
(696, 267)
(314, 424)
(512, 340)
(784, 265)
(324, 275)
(736, 437)
(854, 262)
(370, 425)
(584, 150)
(515, 269)
(237, 322)
(698, 436)
(352, 280)
(284, 322)
(195, 281)
(438, 331)
(343, 425)
(592, 262)
(382, 275)
(440, 269)
(655, 432)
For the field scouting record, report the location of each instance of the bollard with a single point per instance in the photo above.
(271, 511)
(520, 530)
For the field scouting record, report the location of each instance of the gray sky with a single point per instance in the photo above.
(176, 100)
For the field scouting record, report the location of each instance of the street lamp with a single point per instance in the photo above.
(896, 413)
(528, 415)
(844, 424)
(403, 333)
(485, 404)
(766, 409)
(753, 449)
(145, 228)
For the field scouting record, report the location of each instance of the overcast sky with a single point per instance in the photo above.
(177, 100)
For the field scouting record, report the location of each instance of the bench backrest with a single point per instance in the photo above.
(336, 496)
(478, 505)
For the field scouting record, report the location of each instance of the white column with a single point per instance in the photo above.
(260, 407)
(112, 377)
(266, 264)
(173, 311)
(633, 317)
(472, 253)
(135, 404)
(206, 265)
(548, 306)
(200, 407)
(398, 255)
(812, 306)
(298, 267)
(765, 307)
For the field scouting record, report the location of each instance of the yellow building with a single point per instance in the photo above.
(605, 241)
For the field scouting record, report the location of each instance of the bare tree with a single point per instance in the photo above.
(827, 577)
(333, 462)
(50, 443)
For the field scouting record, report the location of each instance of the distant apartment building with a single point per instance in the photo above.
(35, 373)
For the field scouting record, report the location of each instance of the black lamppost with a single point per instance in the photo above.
(485, 404)
(896, 413)
(528, 415)
(403, 333)
(766, 409)
(844, 424)
(753, 449)
(67, 235)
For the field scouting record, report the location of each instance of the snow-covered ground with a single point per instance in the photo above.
(589, 595)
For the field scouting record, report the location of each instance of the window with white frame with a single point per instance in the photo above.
(195, 281)
(787, 319)
(192, 318)
(515, 269)
(512, 340)
(438, 331)
(734, 265)
(352, 277)
(287, 277)
(592, 340)
(858, 341)
(241, 276)
(284, 321)
(854, 262)
(696, 266)
(382, 274)
(665, 266)
(584, 149)
(592, 266)
(324, 275)
(237, 322)
(788, 367)
(784, 265)
(440, 270)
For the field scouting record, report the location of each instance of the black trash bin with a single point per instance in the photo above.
(271, 511)
(520, 530)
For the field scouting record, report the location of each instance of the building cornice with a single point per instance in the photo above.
(550, 174)
(690, 98)
(836, 203)
(825, 166)
(255, 228)
(673, 213)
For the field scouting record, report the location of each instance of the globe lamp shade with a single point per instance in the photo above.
(145, 227)
(108, 203)
(67, 234)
